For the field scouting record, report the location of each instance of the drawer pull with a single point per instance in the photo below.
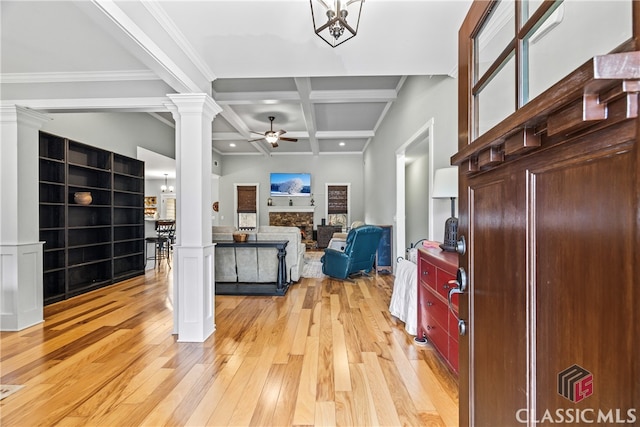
(429, 303)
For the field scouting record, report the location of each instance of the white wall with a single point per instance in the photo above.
(117, 132)
(325, 168)
(216, 163)
(215, 196)
(421, 98)
(417, 200)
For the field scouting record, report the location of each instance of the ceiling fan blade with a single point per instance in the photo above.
(274, 145)
(281, 132)
(289, 139)
(254, 140)
(257, 133)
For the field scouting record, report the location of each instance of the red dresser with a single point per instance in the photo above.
(436, 322)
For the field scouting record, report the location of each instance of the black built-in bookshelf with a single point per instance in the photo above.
(88, 246)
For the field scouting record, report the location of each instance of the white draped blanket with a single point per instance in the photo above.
(404, 298)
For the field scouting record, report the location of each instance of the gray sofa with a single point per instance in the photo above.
(253, 265)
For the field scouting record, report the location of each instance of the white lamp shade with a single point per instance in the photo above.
(445, 183)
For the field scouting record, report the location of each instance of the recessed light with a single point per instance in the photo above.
(342, 144)
(232, 145)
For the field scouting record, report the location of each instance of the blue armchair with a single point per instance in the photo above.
(358, 256)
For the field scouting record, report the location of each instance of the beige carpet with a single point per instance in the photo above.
(8, 390)
(312, 267)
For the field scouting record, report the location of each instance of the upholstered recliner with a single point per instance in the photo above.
(358, 255)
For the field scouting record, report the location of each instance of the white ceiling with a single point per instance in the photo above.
(262, 57)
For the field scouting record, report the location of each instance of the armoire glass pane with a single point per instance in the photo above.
(494, 37)
(496, 100)
(573, 33)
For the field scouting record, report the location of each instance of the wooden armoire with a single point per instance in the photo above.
(549, 208)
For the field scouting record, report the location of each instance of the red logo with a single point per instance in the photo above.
(575, 383)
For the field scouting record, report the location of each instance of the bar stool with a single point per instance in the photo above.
(167, 229)
(161, 249)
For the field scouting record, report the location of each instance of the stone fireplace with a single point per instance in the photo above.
(295, 216)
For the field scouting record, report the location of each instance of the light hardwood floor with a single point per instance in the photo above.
(328, 353)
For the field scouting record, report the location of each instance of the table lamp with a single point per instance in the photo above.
(445, 186)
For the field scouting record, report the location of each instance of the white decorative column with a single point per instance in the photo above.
(21, 293)
(194, 276)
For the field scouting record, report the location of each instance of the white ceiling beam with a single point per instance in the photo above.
(338, 134)
(133, 38)
(304, 89)
(161, 16)
(342, 134)
(236, 122)
(313, 96)
(340, 96)
(241, 98)
(228, 136)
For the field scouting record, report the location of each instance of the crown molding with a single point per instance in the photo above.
(147, 104)
(78, 76)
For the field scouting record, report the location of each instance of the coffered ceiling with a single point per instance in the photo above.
(256, 58)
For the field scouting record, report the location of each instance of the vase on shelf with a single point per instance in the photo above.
(82, 197)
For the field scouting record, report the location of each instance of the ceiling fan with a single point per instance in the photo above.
(272, 137)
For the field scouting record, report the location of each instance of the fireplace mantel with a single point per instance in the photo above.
(292, 208)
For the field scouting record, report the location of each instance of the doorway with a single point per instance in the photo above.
(419, 145)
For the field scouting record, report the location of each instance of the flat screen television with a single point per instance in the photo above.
(290, 184)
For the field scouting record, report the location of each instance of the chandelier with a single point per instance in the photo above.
(164, 188)
(333, 30)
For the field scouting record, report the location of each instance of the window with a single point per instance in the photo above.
(246, 197)
(338, 204)
(524, 47)
(168, 209)
(574, 31)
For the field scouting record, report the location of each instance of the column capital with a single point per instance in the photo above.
(193, 103)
